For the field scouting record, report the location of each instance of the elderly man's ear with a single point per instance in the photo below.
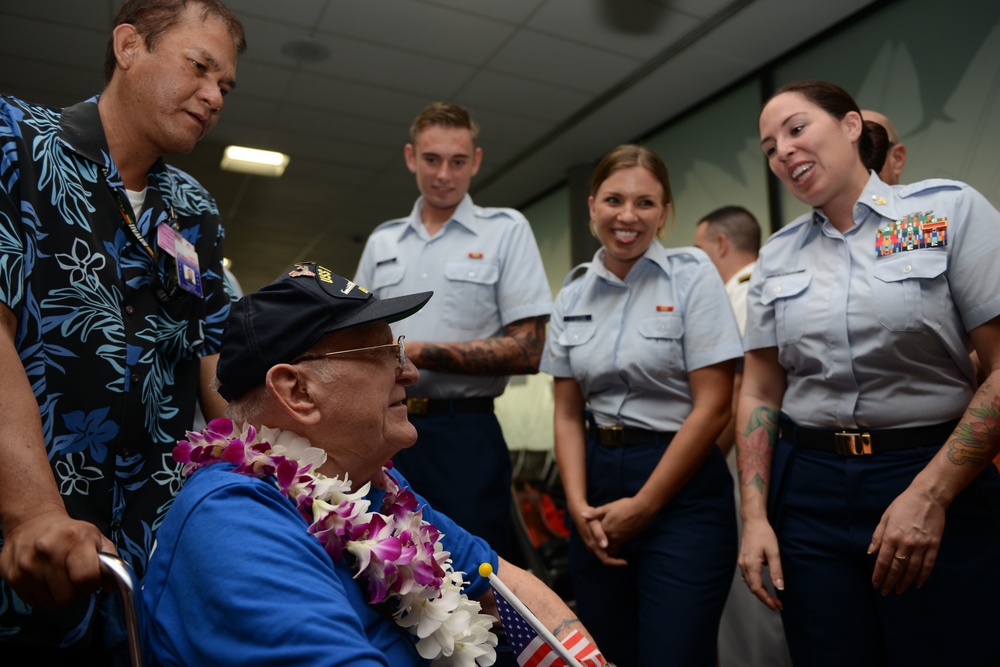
(294, 392)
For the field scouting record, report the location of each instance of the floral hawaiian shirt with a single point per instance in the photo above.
(113, 366)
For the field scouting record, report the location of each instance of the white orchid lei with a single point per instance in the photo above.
(395, 551)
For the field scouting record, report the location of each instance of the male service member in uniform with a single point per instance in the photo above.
(486, 323)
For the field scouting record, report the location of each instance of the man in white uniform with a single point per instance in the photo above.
(750, 635)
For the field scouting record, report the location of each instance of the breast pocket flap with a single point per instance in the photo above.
(577, 333)
(662, 326)
(482, 273)
(784, 286)
(387, 276)
(913, 264)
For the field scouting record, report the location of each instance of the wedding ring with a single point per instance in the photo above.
(901, 559)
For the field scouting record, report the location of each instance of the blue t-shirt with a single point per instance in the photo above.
(235, 579)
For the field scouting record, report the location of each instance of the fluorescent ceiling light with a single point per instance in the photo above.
(254, 161)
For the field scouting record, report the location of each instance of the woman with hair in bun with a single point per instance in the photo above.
(864, 442)
(643, 345)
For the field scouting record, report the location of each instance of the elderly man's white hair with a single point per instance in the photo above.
(251, 405)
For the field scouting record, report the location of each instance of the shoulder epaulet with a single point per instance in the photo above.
(921, 187)
(389, 223)
(491, 213)
(687, 254)
(793, 226)
(575, 273)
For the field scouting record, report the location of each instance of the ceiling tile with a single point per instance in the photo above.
(510, 11)
(418, 28)
(514, 129)
(303, 13)
(699, 8)
(634, 28)
(546, 59)
(46, 83)
(356, 99)
(20, 38)
(518, 97)
(390, 68)
(84, 14)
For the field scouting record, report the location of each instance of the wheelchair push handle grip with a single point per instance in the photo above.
(117, 572)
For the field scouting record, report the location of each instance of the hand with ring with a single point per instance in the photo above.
(906, 540)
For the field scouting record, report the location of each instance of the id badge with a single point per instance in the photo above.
(175, 245)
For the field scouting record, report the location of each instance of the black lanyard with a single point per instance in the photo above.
(163, 292)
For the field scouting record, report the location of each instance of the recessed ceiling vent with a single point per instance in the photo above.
(306, 51)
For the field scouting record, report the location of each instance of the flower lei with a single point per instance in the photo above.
(395, 551)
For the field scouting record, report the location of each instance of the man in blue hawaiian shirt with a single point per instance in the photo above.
(112, 302)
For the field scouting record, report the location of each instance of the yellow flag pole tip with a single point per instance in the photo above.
(485, 570)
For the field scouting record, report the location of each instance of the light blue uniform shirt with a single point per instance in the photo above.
(631, 344)
(485, 270)
(878, 340)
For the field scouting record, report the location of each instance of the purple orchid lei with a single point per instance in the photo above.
(396, 552)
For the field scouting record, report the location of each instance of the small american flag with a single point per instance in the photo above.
(532, 650)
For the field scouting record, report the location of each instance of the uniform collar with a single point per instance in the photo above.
(464, 216)
(654, 254)
(876, 196)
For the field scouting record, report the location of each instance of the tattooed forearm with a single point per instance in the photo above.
(517, 352)
(755, 448)
(975, 440)
(565, 625)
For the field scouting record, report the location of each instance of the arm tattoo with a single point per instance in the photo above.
(518, 351)
(565, 625)
(755, 448)
(976, 438)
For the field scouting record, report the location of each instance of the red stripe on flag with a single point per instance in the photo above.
(534, 653)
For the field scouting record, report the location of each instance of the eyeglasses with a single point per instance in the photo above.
(400, 352)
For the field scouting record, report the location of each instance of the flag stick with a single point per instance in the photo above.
(486, 570)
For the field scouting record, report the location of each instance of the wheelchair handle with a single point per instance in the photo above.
(116, 570)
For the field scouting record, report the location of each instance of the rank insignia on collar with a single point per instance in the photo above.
(879, 200)
(915, 231)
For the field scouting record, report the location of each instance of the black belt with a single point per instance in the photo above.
(864, 442)
(620, 436)
(417, 405)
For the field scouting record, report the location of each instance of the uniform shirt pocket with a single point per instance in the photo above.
(577, 333)
(659, 346)
(662, 326)
(788, 294)
(910, 290)
(386, 275)
(470, 300)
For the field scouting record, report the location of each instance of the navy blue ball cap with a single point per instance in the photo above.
(282, 320)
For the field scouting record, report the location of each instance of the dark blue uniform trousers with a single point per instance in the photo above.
(663, 609)
(825, 508)
(461, 465)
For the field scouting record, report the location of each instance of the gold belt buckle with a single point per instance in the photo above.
(852, 444)
(416, 405)
(612, 436)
